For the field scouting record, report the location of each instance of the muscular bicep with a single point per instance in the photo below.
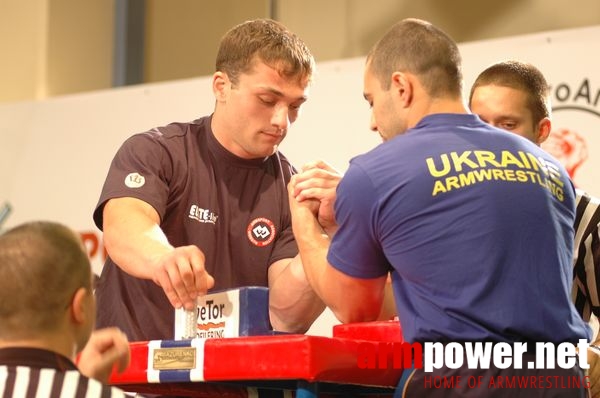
(132, 232)
(126, 211)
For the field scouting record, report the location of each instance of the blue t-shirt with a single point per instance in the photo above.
(476, 226)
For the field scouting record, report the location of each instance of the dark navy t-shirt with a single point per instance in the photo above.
(476, 225)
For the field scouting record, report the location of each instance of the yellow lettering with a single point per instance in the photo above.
(445, 166)
(509, 175)
(462, 159)
(554, 173)
(452, 182)
(535, 162)
(510, 159)
(498, 174)
(486, 157)
(553, 188)
(466, 179)
(521, 176)
(533, 176)
(438, 187)
(524, 159)
(482, 175)
(550, 180)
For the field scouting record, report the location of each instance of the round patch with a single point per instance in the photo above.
(135, 180)
(261, 231)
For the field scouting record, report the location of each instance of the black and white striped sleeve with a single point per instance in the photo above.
(586, 261)
(26, 382)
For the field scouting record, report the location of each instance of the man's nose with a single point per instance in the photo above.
(281, 117)
(373, 123)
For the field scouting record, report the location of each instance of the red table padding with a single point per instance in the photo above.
(272, 358)
(377, 331)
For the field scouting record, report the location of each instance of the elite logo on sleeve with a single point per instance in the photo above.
(134, 180)
(261, 231)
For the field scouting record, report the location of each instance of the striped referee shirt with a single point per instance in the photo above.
(36, 373)
(586, 258)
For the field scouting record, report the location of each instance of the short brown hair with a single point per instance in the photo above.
(270, 42)
(520, 76)
(416, 46)
(42, 264)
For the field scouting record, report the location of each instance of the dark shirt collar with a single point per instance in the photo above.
(35, 358)
(222, 153)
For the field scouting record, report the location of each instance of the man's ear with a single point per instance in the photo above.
(403, 88)
(221, 85)
(544, 128)
(79, 307)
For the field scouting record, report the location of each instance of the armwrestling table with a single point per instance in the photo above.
(279, 365)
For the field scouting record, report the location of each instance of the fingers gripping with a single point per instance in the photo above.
(183, 277)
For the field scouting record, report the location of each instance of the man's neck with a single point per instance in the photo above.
(434, 106)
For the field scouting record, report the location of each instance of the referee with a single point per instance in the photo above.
(47, 314)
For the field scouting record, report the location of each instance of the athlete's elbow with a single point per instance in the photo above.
(287, 324)
(356, 314)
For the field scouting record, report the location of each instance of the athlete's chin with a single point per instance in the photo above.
(266, 151)
(269, 147)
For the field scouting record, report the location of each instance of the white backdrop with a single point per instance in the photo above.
(54, 154)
